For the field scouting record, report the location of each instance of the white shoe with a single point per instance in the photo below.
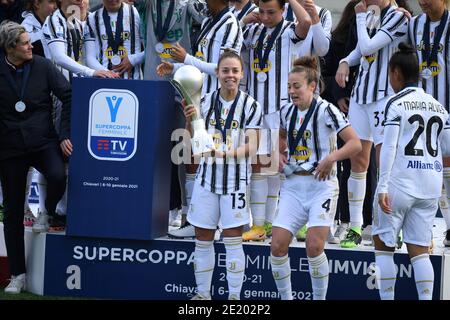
(339, 234)
(367, 233)
(199, 296)
(17, 284)
(175, 218)
(41, 223)
(183, 232)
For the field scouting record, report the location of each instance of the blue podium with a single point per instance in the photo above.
(119, 173)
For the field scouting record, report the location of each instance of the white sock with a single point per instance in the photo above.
(447, 187)
(356, 193)
(273, 188)
(424, 276)
(258, 198)
(319, 270)
(385, 274)
(204, 261)
(42, 186)
(190, 181)
(443, 205)
(281, 271)
(235, 261)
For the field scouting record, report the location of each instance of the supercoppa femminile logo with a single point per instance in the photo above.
(113, 124)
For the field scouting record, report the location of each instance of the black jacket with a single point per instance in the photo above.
(33, 129)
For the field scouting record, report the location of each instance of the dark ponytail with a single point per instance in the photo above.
(405, 60)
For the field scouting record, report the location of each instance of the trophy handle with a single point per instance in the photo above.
(186, 96)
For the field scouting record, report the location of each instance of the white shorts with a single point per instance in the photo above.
(269, 132)
(304, 199)
(209, 210)
(367, 119)
(414, 216)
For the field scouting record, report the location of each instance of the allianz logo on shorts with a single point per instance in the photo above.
(419, 165)
(113, 124)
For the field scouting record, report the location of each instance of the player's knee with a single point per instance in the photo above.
(278, 249)
(314, 246)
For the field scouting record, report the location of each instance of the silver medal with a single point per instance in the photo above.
(426, 73)
(159, 47)
(261, 76)
(20, 106)
(115, 60)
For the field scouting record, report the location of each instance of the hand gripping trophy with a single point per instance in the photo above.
(188, 81)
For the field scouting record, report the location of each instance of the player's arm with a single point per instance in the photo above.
(321, 32)
(252, 134)
(387, 157)
(395, 27)
(351, 147)
(335, 119)
(249, 148)
(303, 19)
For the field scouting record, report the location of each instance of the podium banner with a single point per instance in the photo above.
(119, 172)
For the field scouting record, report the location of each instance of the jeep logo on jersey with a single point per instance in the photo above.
(113, 124)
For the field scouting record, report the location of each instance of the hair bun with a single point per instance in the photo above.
(406, 48)
(307, 62)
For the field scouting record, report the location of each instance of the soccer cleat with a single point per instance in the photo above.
(28, 218)
(186, 232)
(400, 240)
(175, 218)
(339, 234)
(199, 296)
(446, 241)
(256, 233)
(352, 240)
(268, 228)
(57, 223)
(41, 223)
(301, 234)
(17, 284)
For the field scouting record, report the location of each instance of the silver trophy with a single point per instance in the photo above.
(188, 81)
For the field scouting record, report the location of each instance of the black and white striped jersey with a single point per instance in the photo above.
(248, 8)
(376, 45)
(438, 85)
(65, 39)
(213, 40)
(33, 26)
(273, 92)
(220, 176)
(319, 137)
(240, 14)
(416, 130)
(317, 42)
(130, 44)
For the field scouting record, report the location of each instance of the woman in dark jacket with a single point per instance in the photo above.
(28, 137)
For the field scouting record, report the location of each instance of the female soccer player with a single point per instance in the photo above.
(220, 195)
(415, 138)
(308, 131)
(380, 30)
